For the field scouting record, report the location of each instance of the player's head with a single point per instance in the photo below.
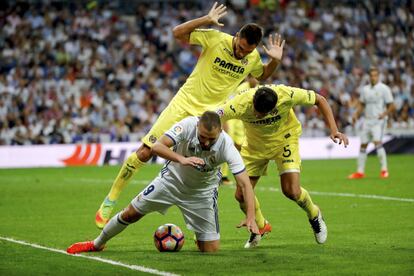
(209, 129)
(373, 75)
(247, 39)
(264, 101)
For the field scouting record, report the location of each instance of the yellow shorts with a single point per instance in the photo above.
(172, 114)
(286, 155)
(236, 131)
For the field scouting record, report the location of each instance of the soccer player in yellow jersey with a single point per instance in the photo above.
(224, 62)
(235, 128)
(272, 133)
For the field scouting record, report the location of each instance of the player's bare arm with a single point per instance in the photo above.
(162, 148)
(390, 109)
(358, 112)
(182, 32)
(243, 182)
(274, 50)
(336, 136)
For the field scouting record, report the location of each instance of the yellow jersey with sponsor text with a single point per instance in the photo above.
(277, 126)
(217, 72)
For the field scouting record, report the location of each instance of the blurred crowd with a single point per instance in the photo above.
(95, 73)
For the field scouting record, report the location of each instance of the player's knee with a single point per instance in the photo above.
(144, 153)
(208, 247)
(130, 215)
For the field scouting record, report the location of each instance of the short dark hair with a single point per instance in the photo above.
(373, 68)
(210, 120)
(264, 100)
(252, 32)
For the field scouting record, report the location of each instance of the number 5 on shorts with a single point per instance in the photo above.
(286, 151)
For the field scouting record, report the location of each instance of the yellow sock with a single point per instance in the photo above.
(260, 220)
(305, 202)
(225, 170)
(128, 169)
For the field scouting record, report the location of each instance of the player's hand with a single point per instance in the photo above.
(354, 120)
(275, 46)
(382, 116)
(340, 138)
(250, 224)
(192, 161)
(216, 13)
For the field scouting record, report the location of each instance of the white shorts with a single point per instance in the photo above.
(200, 214)
(372, 130)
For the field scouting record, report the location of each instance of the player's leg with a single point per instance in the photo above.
(260, 220)
(292, 189)
(235, 130)
(152, 198)
(172, 114)
(289, 164)
(133, 163)
(362, 156)
(115, 226)
(255, 168)
(377, 135)
(201, 215)
(264, 226)
(208, 246)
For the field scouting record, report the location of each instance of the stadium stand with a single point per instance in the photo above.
(102, 71)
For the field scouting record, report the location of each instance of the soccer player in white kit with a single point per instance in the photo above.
(189, 180)
(376, 102)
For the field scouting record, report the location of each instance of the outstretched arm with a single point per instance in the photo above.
(274, 50)
(162, 149)
(243, 182)
(326, 111)
(182, 32)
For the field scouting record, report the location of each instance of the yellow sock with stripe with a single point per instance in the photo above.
(305, 202)
(260, 220)
(128, 169)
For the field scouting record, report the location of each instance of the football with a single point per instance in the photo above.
(168, 238)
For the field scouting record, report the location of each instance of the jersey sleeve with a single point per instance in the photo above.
(204, 37)
(231, 109)
(178, 130)
(299, 96)
(234, 159)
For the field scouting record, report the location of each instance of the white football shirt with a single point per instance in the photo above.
(201, 180)
(375, 99)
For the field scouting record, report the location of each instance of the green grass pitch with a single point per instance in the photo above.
(371, 226)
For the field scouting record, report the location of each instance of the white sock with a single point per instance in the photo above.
(362, 158)
(115, 226)
(382, 156)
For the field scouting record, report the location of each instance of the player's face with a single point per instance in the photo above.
(241, 48)
(373, 76)
(207, 138)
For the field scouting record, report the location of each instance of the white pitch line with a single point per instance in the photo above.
(364, 196)
(108, 261)
(271, 189)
